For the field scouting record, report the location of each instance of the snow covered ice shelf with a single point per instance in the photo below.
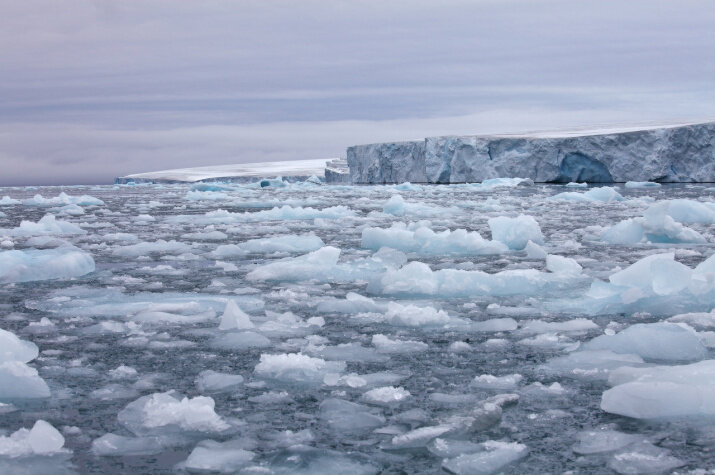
(502, 327)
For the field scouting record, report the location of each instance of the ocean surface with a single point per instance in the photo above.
(305, 328)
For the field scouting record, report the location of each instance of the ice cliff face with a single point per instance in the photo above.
(670, 154)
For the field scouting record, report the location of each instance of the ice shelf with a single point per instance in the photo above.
(673, 153)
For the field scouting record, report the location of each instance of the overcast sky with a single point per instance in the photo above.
(90, 90)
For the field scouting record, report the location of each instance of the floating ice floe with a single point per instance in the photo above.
(47, 225)
(284, 213)
(42, 439)
(47, 264)
(416, 278)
(397, 206)
(7, 201)
(13, 348)
(234, 318)
(604, 194)
(213, 381)
(63, 199)
(656, 283)
(296, 368)
(157, 247)
(420, 239)
(493, 457)
(289, 243)
(516, 232)
(661, 223)
(686, 391)
(222, 457)
(171, 412)
(642, 184)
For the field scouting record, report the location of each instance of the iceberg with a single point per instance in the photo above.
(47, 264)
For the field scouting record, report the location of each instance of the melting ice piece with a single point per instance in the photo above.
(42, 439)
(347, 417)
(31, 265)
(14, 349)
(534, 251)
(306, 267)
(595, 364)
(488, 381)
(660, 341)
(644, 457)
(603, 440)
(386, 395)
(170, 412)
(494, 457)
(288, 243)
(385, 345)
(397, 206)
(604, 194)
(563, 265)
(156, 247)
(419, 238)
(224, 457)
(414, 316)
(234, 318)
(662, 391)
(213, 381)
(240, 341)
(113, 444)
(19, 381)
(47, 225)
(296, 368)
(516, 232)
(642, 184)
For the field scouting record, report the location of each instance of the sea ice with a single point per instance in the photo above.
(42, 439)
(289, 243)
(420, 239)
(171, 412)
(516, 232)
(14, 349)
(212, 381)
(234, 318)
(47, 225)
(222, 457)
(296, 368)
(386, 395)
(47, 264)
(662, 391)
(19, 381)
(493, 457)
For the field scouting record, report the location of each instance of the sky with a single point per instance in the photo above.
(91, 90)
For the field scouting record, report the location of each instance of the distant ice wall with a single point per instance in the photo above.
(669, 154)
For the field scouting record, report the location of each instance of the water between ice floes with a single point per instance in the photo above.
(309, 328)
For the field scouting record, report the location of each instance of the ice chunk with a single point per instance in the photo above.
(659, 272)
(575, 325)
(563, 265)
(113, 445)
(397, 206)
(211, 456)
(644, 457)
(170, 412)
(604, 194)
(320, 262)
(534, 251)
(642, 184)
(591, 364)
(212, 381)
(662, 391)
(385, 345)
(684, 211)
(603, 440)
(19, 381)
(416, 278)
(234, 318)
(42, 439)
(414, 316)
(240, 341)
(63, 199)
(418, 437)
(14, 349)
(488, 381)
(516, 232)
(7, 201)
(47, 225)
(283, 213)
(32, 265)
(347, 417)
(157, 247)
(703, 320)
(296, 368)
(495, 455)
(653, 341)
(288, 243)
(419, 238)
(386, 395)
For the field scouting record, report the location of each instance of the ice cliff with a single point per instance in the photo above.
(682, 153)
